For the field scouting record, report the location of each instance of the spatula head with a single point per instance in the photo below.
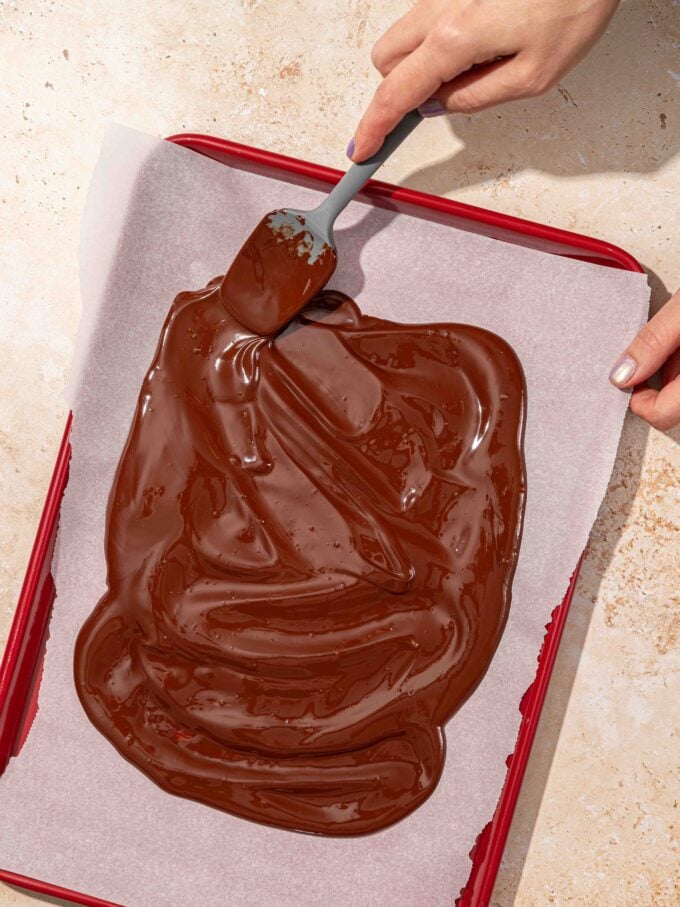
(282, 265)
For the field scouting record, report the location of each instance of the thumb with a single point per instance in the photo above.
(653, 344)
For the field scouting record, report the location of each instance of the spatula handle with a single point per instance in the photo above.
(358, 174)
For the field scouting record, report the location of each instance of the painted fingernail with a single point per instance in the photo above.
(432, 108)
(350, 149)
(623, 371)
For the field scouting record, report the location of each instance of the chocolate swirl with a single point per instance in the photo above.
(310, 545)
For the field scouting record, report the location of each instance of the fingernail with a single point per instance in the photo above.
(432, 108)
(623, 370)
(350, 149)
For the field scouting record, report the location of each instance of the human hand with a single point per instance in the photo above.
(461, 56)
(656, 345)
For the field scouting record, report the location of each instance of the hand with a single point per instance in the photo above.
(657, 345)
(461, 56)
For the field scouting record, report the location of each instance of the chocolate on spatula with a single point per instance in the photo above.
(290, 255)
(279, 270)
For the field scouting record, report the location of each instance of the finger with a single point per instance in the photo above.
(485, 86)
(660, 408)
(654, 343)
(399, 40)
(413, 81)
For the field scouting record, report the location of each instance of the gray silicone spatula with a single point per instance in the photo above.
(290, 255)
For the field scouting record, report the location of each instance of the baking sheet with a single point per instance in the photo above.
(161, 219)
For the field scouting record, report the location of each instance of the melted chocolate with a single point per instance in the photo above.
(310, 544)
(280, 268)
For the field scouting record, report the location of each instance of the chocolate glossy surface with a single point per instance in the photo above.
(310, 544)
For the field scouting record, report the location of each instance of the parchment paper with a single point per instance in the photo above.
(161, 219)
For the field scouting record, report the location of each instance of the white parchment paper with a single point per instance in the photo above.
(161, 219)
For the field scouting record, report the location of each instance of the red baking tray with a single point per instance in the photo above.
(21, 667)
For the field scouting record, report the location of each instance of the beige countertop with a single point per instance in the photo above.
(597, 818)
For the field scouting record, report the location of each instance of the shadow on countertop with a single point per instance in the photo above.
(585, 126)
(605, 117)
(622, 489)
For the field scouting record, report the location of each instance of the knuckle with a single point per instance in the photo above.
(386, 96)
(637, 406)
(465, 100)
(379, 55)
(534, 81)
(666, 416)
(655, 413)
(653, 337)
(445, 37)
(662, 422)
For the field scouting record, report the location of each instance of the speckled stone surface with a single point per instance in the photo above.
(597, 818)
